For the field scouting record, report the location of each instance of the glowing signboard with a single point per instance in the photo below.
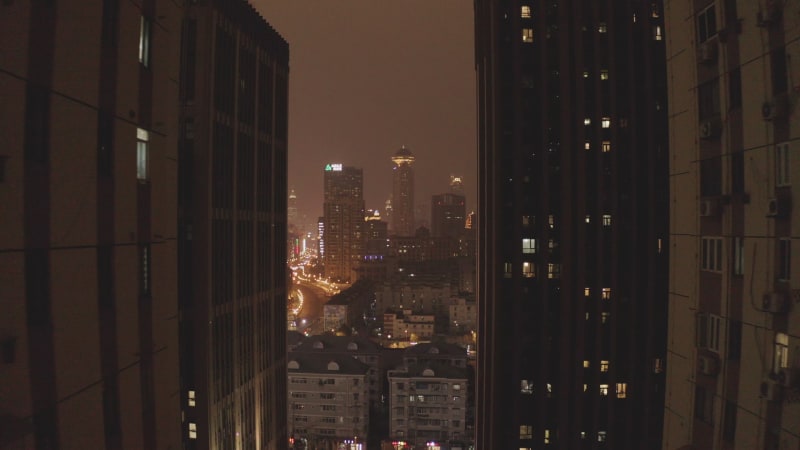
(333, 167)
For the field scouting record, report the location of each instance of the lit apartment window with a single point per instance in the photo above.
(588, 219)
(527, 35)
(606, 146)
(144, 41)
(606, 122)
(546, 436)
(585, 74)
(528, 269)
(526, 431)
(526, 387)
(507, 270)
(657, 33)
(586, 364)
(553, 270)
(711, 254)
(527, 221)
(526, 12)
(706, 24)
(529, 246)
(585, 387)
(605, 293)
(587, 145)
(604, 365)
(604, 316)
(192, 401)
(604, 74)
(606, 220)
(583, 435)
(654, 14)
(551, 221)
(587, 291)
(782, 164)
(604, 390)
(192, 430)
(738, 255)
(602, 27)
(587, 121)
(784, 259)
(658, 245)
(622, 390)
(601, 436)
(142, 144)
(549, 390)
(781, 357)
(708, 331)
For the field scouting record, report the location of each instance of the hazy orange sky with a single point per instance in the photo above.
(368, 76)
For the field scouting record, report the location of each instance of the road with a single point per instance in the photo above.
(314, 299)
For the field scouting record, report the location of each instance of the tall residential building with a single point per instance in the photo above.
(448, 213)
(734, 333)
(343, 211)
(403, 193)
(232, 194)
(572, 227)
(88, 278)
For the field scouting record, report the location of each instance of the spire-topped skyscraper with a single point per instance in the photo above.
(403, 199)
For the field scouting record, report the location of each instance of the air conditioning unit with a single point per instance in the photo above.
(778, 207)
(776, 108)
(788, 377)
(710, 129)
(775, 303)
(709, 207)
(770, 390)
(707, 365)
(707, 53)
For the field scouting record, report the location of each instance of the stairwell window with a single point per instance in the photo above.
(782, 164)
(708, 331)
(706, 24)
(781, 357)
(784, 259)
(142, 150)
(711, 254)
(145, 26)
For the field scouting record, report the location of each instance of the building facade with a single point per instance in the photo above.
(88, 172)
(734, 345)
(572, 224)
(232, 194)
(448, 216)
(402, 214)
(343, 218)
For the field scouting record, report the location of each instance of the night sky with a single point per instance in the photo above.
(369, 76)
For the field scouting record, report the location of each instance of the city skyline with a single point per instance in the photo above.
(414, 89)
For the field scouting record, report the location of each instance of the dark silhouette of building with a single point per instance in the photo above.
(572, 224)
(343, 211)
(448, 215)
(403, 193)
(232, 228)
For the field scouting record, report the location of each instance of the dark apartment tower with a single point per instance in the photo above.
(88, 333)
(448, 215)
(343, 211)
(403, 193)
(232, 228)
(572, 224)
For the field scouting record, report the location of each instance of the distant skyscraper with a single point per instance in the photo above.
(403, 193)
(291, 209)
(448, 215)
(573, 223)
(232, 231)
(343, 211)
(456, 185)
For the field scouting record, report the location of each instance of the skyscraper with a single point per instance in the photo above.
(403, 193)
(232, 228)
(343, 211)
(88, 327)
(448, 215)
(734, 361)
(291, 209)
(572, 224)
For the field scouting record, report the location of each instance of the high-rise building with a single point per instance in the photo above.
(403, 193)
(572, 224)
(456, 185)
(87, 234)
(232, 228)
(734, 351)
(291, 208)
(448, 215)
(343, 211)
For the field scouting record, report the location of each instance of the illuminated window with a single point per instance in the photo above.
(603, 365)
(657, 34)
(586, 364)
(601, 436)
(529, 246)
(527, 35)
(191, 399)
(526, 431)
(602, 27)
(606, 146)
(526, 387)
(659, 245)
(658, 365)
(583, 435)
(528, 269)
(711, 254)
(585, 74)
(654, 14)
(553, 270)
(606, 122)
(142, 150)
(546, 436)
(507, 270)
(622, 390)
(606, 220)
(526, 12)
(781, 359)
(527, 221)
(604, 74)
(605, 293)
(587, 291)
(551, 221)
(551, 244)
(603, 390)
(604, 316)
(585, 387)
(587, 145)
(144, 41)
(587, 121)
(549, 390)
(192, 430)
(588, 219)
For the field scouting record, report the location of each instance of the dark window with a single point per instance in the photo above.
(706, 24)
(737, 173)
(710, 177)
(189, 59)
(735, 88)
(37, 123)
(734, 340)
(780, 80)
(729, 421)
(3, 159)
(708, 99)
(784, 258)
(738, 255)
(703, 405)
